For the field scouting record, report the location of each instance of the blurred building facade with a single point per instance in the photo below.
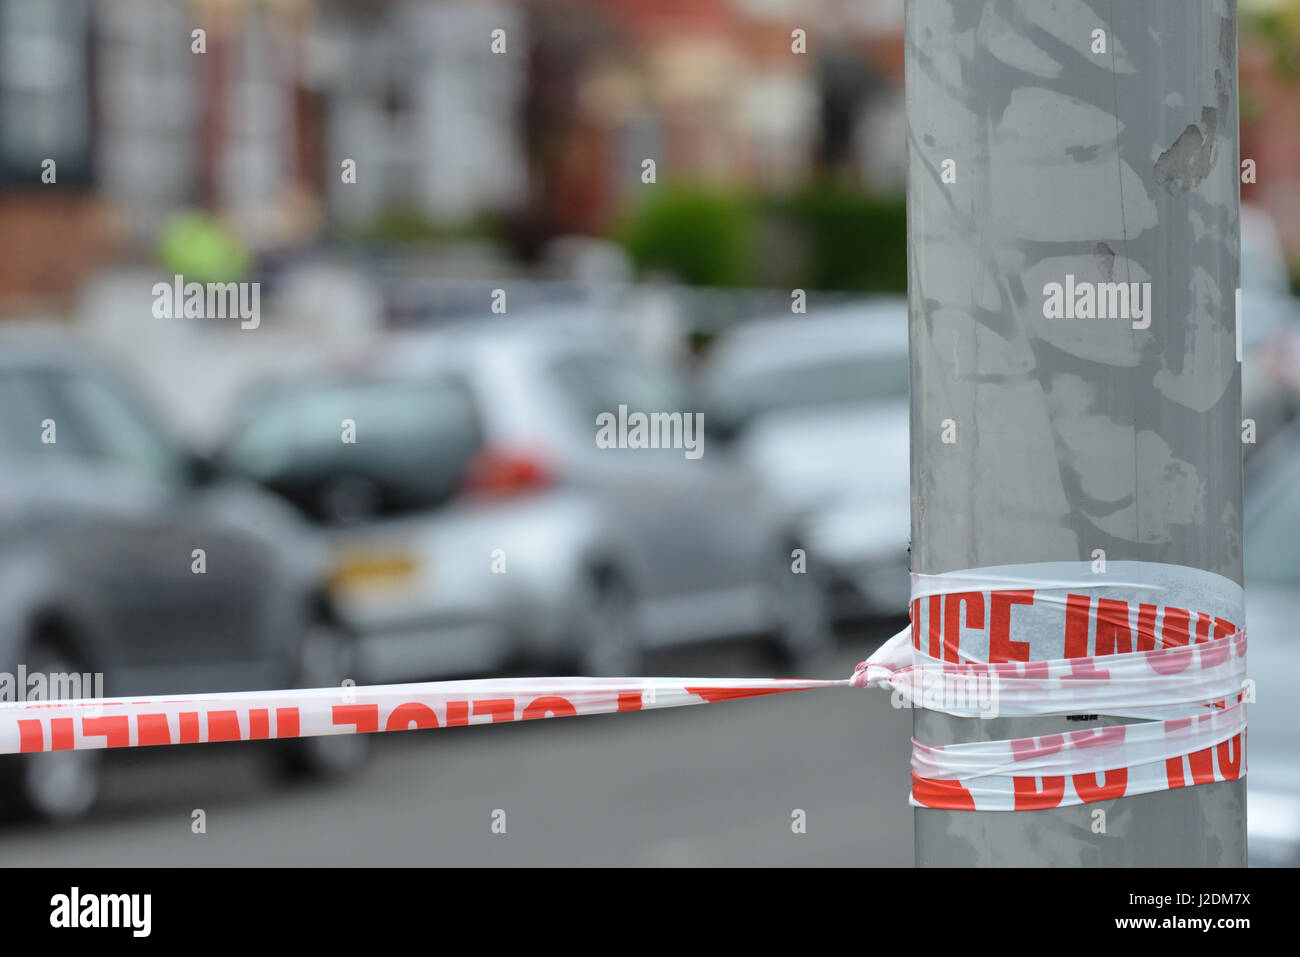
(540, 112)
(1270, 110)
(533, 115)
(720, 92)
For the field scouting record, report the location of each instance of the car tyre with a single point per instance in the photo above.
(802, 636)
(54, 786)
(608, 641)
(325, 657)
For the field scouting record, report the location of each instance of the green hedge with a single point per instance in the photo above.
(852, 241)
(819, 237)
(701, 237)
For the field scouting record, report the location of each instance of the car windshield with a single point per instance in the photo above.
(86, 414)
(741, 394)
(344, 450)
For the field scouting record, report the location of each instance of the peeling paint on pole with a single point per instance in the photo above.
(1087, 147)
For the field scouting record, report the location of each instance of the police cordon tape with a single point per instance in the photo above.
(1068, 638)
(260, 715)
(1124, 643)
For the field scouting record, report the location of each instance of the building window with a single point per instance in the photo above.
(44, 90)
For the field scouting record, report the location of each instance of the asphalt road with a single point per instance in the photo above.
(710, 785)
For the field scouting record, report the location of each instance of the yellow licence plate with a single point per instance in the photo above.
(363, 571)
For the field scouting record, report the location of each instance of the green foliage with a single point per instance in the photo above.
(702, 237)
(198, 247)
(1279, 28)
(819, 237)
(855, 241)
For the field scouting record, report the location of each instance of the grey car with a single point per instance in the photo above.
(121, 555)
(818, 407)
(476, 519)
(1272, 555)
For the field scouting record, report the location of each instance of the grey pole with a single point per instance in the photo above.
(1074, 435)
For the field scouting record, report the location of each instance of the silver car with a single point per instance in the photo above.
(122, 555)
(476, 520)
(1272, 557)
(818, 406)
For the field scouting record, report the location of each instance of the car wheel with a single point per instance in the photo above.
(326, 657)
(608, 643)
(54, 786)
(802, 635)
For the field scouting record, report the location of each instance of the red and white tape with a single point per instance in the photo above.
(1062, 639)
(1157, 643)
(32, 726)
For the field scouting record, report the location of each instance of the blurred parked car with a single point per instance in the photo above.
(1272, 555)
(476, 520)
(1270, 330)
(100, 514)
(819, 407)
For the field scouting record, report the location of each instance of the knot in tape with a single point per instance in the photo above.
(1159, 643)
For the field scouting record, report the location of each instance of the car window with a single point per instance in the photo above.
(740, 394)
(88, 419)
(106, 423)
(601, 383)
(413, 444)
(25, 405)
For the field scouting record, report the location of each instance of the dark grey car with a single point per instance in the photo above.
(124, 556)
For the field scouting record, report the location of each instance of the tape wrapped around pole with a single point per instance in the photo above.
(1141, 640)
